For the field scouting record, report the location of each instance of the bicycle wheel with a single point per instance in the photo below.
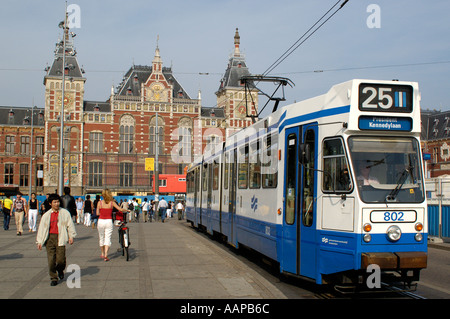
(125, 245)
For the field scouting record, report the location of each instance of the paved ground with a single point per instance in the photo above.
(168, 260)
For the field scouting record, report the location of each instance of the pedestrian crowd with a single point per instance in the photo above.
(59, 214)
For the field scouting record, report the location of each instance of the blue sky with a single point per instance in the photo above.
(196, 36)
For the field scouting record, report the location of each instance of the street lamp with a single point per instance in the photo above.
(63, 25)
(30, 178)
(157, 162)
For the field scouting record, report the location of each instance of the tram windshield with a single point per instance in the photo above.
(387, 169)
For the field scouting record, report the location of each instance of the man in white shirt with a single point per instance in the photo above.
(145, 210)
(179, 209)
(162, 207)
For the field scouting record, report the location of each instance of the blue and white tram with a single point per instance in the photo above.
(325, 187)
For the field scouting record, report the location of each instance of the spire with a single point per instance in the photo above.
(237, 67)
(71, 67)
(157, 61)
(237, 41)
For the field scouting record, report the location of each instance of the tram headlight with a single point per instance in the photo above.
(367, 238)
(418, 237)
(394, 233)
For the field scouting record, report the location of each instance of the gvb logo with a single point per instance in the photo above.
(74, 279)
(74, 16)
(374, 279)
(254, 204)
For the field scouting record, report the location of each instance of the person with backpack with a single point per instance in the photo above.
(88, 208)
(145, 209)
(68, 202)
(131, 209)
(20, 212)
(94, 216)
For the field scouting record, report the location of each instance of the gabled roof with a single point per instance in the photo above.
(71, 63)
(435, 125)
(138, 74)
(236, 69)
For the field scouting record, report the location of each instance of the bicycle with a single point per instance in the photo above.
(124, 236)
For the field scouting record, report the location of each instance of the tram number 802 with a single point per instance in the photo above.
(393, 216)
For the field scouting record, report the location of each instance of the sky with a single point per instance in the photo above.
(403, 39)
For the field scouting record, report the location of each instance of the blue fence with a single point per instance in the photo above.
(433, 220)
(139, 199)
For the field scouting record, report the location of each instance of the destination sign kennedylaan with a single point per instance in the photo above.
(385, 123)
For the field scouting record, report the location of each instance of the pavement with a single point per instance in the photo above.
(434, 242)
(168, 260)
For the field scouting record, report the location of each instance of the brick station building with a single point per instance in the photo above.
(106, 143)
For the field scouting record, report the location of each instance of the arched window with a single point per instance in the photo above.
(185, 140)
(156, 134)
(126, 134)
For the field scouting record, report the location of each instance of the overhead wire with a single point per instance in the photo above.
(289, 51)
(283, 73)
(305, 36)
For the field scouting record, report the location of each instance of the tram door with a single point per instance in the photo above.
(299, 231)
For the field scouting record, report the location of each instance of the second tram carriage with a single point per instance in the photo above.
(325, 187)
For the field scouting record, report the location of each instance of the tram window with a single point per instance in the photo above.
(336, 177)
(243, 167)
(269, 165)
(255, 166)
(205, 177)
(308, 181)
(291, 169)
(387, 169)
(196, 180)
(215, 176)
(189, 182)
(226, 171)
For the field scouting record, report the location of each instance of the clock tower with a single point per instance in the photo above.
(239, 104)
(73, 114)
(157, 88)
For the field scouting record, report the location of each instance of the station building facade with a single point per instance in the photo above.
(107, 143)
